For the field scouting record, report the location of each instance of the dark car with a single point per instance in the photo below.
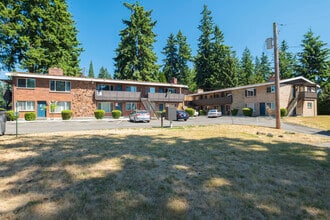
(182, 115)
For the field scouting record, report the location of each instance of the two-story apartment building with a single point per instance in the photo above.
(298, 95)
(49, 94)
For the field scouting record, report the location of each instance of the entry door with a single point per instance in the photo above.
(42, 109)
(262, 109)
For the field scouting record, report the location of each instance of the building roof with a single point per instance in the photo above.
(300, 80)
(85, 79)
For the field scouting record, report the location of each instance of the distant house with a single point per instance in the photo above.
(49, 94)
(298, 95)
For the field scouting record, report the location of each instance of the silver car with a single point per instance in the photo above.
(139, 115)
(214, 113)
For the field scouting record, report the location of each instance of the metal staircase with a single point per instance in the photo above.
(149, 106)
(292, 105)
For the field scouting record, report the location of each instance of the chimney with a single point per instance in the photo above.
(174, 80)
(54, 71)
(271, 78)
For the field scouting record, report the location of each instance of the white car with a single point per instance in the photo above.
(139, 115)
(214, 113)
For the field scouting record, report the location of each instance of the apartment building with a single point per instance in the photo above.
(49, 94)
(298, 95)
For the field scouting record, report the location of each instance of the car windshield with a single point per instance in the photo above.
(213, 110)
(142, 112)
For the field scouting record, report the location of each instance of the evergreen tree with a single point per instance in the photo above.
(104, 73)
(246, 72)
(287, 62)
(204, 52)
(37, 35)
(135, 58)
(265, 69)
(91, 71)
(171, 61)
(184, 56)
(314, 59)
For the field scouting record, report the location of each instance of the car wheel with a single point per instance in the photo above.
(185, 119)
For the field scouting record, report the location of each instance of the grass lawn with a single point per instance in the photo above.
(321, 122)
(208, 172)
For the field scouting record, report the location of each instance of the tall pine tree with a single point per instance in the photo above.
(184, 56)
(171, 61)
(314, 59)
(37, 35)
(204, 51)
(91, 71)
(135, 58)
(287, 62)
(246, 72)
(104, 73)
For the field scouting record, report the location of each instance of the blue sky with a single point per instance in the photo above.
(245, 23)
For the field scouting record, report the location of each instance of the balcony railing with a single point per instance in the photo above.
(307, 95)
(104, 95)
(213, 101)
(165, 97)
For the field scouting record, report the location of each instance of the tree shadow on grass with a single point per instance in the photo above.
(139, 176)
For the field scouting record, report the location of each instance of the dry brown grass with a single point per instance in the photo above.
(321, 122)
(209, 172)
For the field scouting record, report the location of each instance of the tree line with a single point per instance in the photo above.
(37, 35)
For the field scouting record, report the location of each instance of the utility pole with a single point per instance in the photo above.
(277, 80)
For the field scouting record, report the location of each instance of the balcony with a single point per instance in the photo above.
(165, 97)
(307, 95)
(117, 96)
(213, 101)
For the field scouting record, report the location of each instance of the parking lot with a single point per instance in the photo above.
(49, 126)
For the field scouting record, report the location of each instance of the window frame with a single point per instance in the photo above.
(309, 105)
(110, 106)
(66, 84)
(59, 108)
(250, 92)
(26, 106)
(130, 106)
(26, 83)
(270, 89)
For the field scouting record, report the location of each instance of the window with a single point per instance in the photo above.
(250, 92)
(130, 106)
(171, 90)
(131, 88)
(60, 106)
(152, 90)
(271, 105)
(104, 87)
(271, 89)
(60, 86)
(309, 105)
(161, 90)
(161, 107)
(251, 105)
(106, 106)
(26, 83)
(310, 89)
(25, 106)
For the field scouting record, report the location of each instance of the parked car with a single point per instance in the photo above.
(182, 115)
(139, 115)
(214, 113)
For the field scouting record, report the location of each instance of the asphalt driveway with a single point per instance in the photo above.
(49, 126)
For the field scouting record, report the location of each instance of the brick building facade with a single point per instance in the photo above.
(49, 94)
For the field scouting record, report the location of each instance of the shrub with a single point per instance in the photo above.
(284, 112)
(202, 112)
(99, 114)
(234, 111)
(190, 111)
(10, 115)
(66, 114)
(116, 114)
(30, 116)
(247, 111)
